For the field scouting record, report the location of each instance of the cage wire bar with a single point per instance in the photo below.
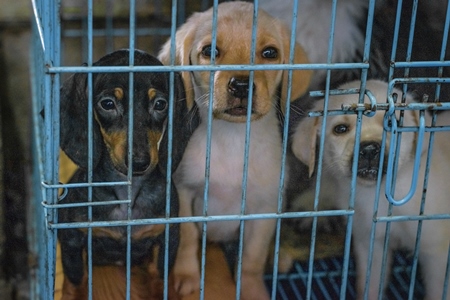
(45, 53)
(320, 279)
(36, 220)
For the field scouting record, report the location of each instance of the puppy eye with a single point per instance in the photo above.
(160, 105)
(207, 51)
(340, 129)
(269, 52)
(108, 104)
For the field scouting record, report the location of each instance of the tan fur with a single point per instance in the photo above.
(116, 143)
(109, 284)
(234, 31)
(154, 138)
(143, 231)
(118, 93)
(151, 94)
(336, 181)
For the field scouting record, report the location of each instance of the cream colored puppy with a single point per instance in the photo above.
(229, 113)
(337, 171)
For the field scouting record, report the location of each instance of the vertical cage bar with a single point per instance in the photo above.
(132, 45)
(51, 37)
(36, 223)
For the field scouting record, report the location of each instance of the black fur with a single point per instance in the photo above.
(148, 198)
(426, 46)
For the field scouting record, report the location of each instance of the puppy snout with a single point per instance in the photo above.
(239, 87)
(369, 159)
(370, 151)
(140, 163)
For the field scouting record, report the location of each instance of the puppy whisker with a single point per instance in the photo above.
(297, 111)
(203, 100)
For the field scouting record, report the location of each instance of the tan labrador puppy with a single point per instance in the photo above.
(336, 183)
(229, 113)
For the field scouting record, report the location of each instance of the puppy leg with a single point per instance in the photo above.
(74, 292)
(361, 247)
(186, 269)
(72, 246)
(258, 235)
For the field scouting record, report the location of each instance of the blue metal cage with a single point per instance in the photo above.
(95, 28)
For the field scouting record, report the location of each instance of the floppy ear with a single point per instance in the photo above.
(184, 40)
(300, 78)
(304, 142)
(74, 122)
(185, 121)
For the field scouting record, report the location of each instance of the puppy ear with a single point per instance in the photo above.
(184, 40)
(304, 142)
(74, 122)
(300, 78)
(185, 121)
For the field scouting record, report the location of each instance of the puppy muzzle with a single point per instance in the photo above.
(140, 164)
(238, 89)
(369, 161)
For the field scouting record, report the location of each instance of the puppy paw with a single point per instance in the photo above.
(186, 284)
(186, 273)
(253, 287)
(186, 270)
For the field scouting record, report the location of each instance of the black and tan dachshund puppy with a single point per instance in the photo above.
(110, 100)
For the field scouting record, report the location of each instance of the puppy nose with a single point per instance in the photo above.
(238, 87)
(369, 150)
(140, 164)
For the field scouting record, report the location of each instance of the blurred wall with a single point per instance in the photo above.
(15, 162)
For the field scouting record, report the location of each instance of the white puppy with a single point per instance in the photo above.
(337, 170)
